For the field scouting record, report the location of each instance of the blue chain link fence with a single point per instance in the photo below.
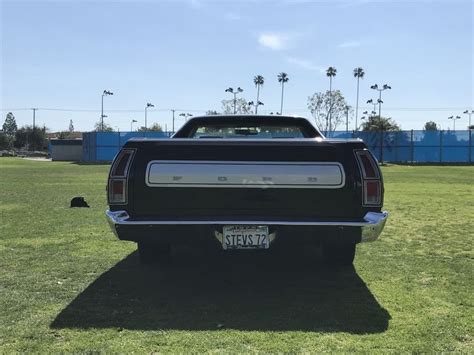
(103, 146)
(417, 146)
(396, 147)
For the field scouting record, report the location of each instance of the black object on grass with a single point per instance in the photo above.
(79, 202)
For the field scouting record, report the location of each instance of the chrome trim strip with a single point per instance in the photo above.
(244, 174)
(372, 225)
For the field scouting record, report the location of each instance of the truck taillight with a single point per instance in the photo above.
(117, 191)
(371, 179)
(122, 163)
(118, 178)
(372, 193)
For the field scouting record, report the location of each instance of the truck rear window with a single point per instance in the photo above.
(247, 131)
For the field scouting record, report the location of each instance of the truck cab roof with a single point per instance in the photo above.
(300, 126)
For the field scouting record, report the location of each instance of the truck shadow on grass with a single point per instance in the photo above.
(276, 291)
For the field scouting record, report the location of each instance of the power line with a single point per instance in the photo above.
(95, 111)
(431, 109)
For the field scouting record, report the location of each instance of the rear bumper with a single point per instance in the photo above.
(367, 229)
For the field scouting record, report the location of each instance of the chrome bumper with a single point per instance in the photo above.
(371, 226)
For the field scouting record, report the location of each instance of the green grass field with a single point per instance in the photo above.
(66, 283)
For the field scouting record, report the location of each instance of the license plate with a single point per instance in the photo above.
(245, 237)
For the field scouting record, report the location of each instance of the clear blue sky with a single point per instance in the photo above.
(184, 54)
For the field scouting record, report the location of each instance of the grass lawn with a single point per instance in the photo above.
(66, 283)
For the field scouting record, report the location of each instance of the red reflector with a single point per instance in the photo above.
(117, 187)
(372, 192)
(117, 193)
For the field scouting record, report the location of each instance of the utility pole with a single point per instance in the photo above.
(34, 117)
(34, 125)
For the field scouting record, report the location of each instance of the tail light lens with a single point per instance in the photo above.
(121, 164)
(372, 193)
(117, 191)
(367, 164)
(371, 179)
(118, 178)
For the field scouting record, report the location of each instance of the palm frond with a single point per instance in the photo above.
(331, 71)
(258, 80)
(359, 72)
(283, 77)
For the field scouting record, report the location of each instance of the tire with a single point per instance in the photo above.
(153, 253)
(338, 254)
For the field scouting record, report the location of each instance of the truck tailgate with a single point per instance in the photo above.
(228, 178)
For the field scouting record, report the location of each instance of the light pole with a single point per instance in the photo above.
(259, 103)
(469, 113)
(346, 111)
(105, 93)
(131, 124)
(146, 108)
(454, 118)
(173, 110)
(369, 114)
(238, 91)
(185, 115)
(379, 101)
(373, 103)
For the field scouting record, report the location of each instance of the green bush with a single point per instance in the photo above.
(5, 141)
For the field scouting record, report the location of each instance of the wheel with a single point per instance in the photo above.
(153, 253)
(338, 254)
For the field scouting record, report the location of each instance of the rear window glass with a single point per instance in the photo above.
(247, 131)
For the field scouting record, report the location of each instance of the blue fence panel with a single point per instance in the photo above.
(106, 153)
(400, 146)
(103, 146)
(455, 154)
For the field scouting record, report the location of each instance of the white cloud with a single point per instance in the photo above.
(275, 41)
(350, 44)
(306, 64)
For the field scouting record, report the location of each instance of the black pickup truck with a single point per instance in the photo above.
(246, 182)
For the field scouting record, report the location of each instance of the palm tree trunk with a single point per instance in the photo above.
(258, 95)
(281, 104)
(357, 103)
(330, 102)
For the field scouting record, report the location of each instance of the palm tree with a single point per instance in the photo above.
(359, 74)
(282, 79)
(330, 72)
(258, 81)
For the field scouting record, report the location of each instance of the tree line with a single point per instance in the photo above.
(25, 137)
